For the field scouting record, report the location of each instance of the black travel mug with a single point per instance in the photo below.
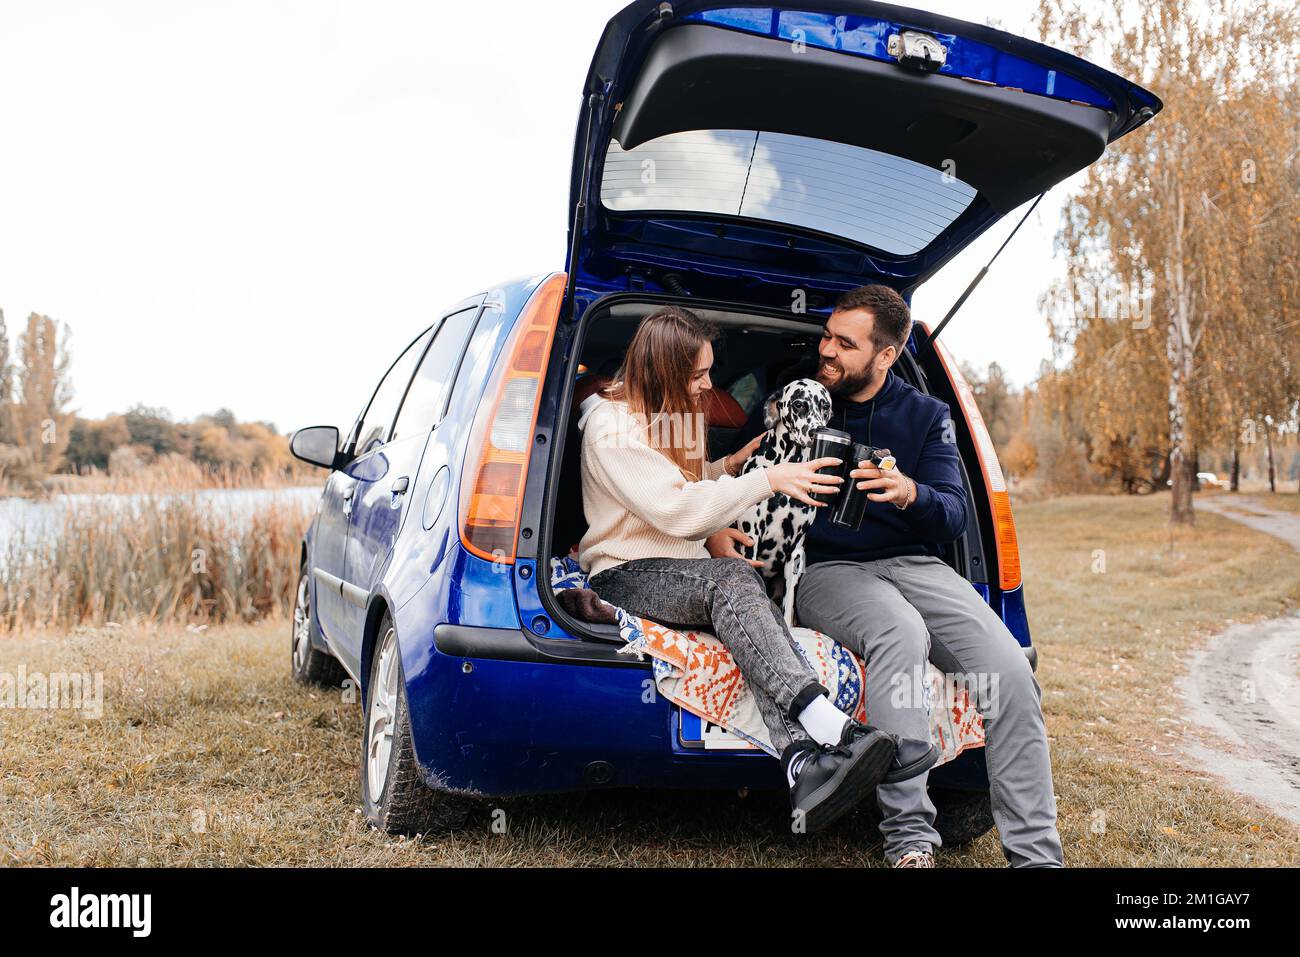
(831, 443)
(851, 504)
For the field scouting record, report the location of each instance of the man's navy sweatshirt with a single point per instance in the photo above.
(916, 428)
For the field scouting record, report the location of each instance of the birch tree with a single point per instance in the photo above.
(6, 385)
(1194, 216)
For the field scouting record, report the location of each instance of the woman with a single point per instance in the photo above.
(651, 499)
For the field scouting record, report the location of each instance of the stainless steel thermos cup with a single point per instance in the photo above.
(851, 504)
(828, 443)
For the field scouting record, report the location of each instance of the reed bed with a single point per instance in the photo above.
(153, 558)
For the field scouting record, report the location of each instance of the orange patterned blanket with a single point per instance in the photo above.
(693, 670)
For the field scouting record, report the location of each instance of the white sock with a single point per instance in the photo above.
(823, 721)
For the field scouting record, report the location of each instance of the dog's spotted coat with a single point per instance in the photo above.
(777, 524)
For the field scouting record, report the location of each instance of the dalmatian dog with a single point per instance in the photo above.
(777, 524)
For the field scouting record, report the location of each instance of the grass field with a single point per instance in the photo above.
(207, 754)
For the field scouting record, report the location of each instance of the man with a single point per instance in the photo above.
(883, 591)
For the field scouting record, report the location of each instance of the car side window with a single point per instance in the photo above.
(379, 415)
(422, 408)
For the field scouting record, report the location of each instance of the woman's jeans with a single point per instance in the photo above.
(724, 596)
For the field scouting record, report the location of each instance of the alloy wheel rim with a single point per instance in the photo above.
(382, 717)
(301, 625)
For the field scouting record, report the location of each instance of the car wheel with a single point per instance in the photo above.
(962, 816)
(394, 795)
(310, 665)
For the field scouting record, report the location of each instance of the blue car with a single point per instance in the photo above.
(751, 162)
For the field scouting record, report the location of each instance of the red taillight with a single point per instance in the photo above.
(1004, 526)
(496, 460)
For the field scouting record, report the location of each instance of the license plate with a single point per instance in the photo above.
(696, 732)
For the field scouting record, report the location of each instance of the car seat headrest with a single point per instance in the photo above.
(720, 409)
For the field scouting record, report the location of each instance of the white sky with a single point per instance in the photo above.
(256, 204)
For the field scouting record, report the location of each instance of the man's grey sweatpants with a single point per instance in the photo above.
(895, 613)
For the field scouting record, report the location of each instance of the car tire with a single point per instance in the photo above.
(394, 794)
(962, 816)
(308, 663)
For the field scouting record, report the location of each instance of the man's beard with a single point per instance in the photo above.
(843, 384)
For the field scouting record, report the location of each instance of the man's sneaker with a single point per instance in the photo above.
(834, 778)
(912, 756)
(915, 859)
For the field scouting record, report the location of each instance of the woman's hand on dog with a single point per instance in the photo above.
(735, 460)
(800, 480)
(724, 544)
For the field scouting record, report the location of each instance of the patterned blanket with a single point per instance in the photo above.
(693, 670)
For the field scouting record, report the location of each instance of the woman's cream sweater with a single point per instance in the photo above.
(638, 503)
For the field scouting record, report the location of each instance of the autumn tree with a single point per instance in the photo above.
(6, 386)
(153, 428)
(999, 402)
(92, 441)
(1181, 239)
(41, 420)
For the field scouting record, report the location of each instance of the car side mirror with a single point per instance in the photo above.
(316, 445)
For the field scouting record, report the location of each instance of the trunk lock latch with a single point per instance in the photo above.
(917, 50)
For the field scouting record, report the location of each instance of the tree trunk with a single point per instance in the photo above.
(1161, 479)
(1180, 508)
(1272, 470)
(1179, 346)
(1236, 465)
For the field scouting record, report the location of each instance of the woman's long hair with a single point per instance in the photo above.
(655, 381)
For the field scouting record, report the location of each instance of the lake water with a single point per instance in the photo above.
(37, 521)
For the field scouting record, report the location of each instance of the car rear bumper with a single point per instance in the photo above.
(513, 644)
(501, 711)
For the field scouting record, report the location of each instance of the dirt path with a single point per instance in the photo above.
(1244, 685)
(1255, 513)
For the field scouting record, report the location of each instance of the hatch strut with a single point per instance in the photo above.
(580, 213)
(983, 272)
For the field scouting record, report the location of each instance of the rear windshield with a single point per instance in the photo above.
(872, 198)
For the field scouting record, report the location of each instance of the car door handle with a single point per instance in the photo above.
(401, 485)
(347, 492)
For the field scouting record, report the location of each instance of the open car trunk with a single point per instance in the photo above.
(738, 157)
(756, 353)
(748, 149)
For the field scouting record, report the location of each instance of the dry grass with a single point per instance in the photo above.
(208, 754)
(156, 557)
(1112, 644)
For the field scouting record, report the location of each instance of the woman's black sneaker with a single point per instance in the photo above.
(834, 778)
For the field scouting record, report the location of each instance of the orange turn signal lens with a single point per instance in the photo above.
(1004, 526)
(496, 460)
